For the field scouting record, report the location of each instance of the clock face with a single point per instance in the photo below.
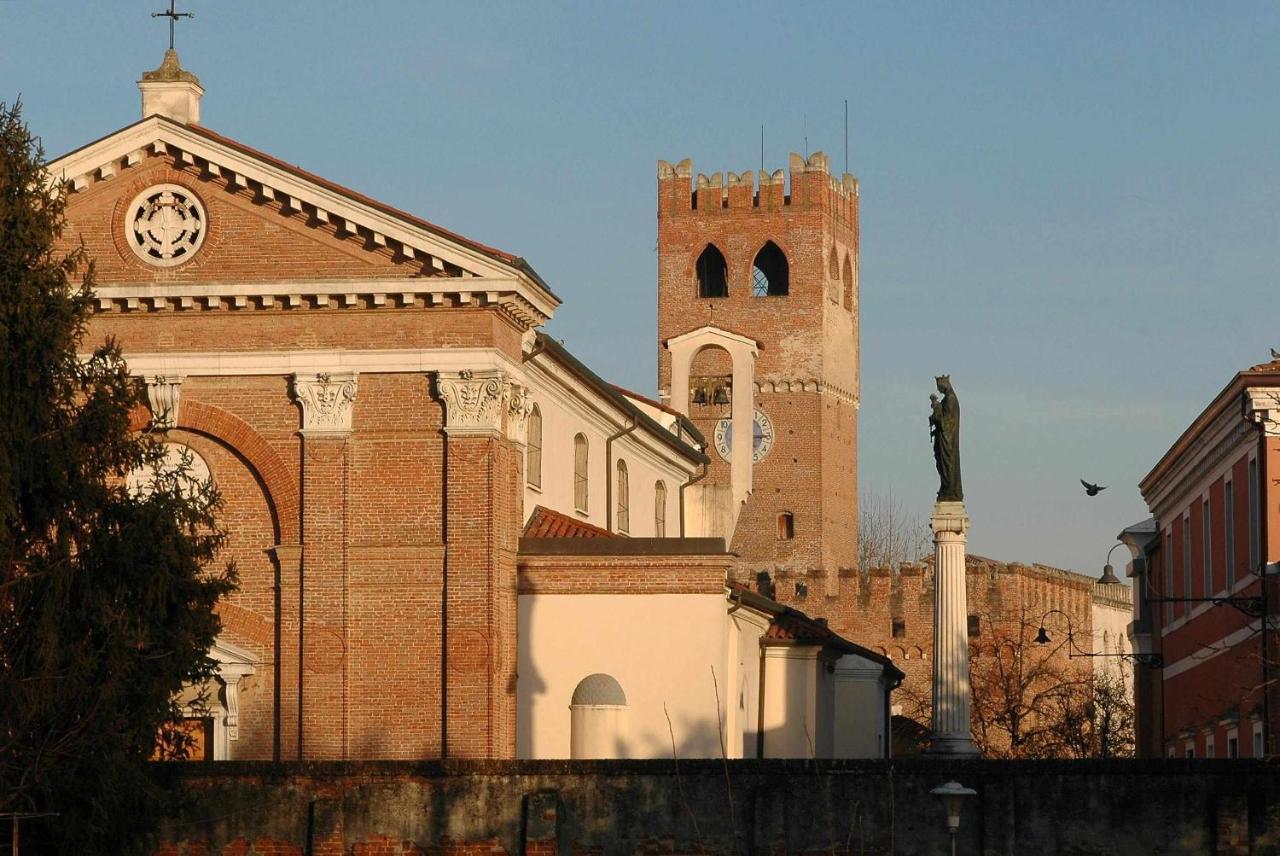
(761, 437)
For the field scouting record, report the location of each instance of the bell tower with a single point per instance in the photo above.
(758, 344)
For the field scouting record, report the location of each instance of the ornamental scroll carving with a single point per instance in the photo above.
(164, 394)
(518, 409)
(327, 401)
(473, 400)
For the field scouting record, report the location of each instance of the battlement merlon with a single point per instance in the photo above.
(811, 184)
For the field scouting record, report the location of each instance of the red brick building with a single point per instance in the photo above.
(1203, 602)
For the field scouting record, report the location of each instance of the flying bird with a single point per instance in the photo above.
(1092, 489)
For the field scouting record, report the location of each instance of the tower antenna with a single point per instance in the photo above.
(846, 136)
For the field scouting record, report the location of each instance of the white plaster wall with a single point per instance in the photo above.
(791, 698)
(860, 727)
(1111, 636)
(742, 712)
(660, 648)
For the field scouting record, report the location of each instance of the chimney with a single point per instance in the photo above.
(171, 91)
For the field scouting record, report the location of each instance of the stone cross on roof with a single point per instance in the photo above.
(173, 17)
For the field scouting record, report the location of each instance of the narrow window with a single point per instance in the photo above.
(580, 473)
(898, 628)
(1206, 544)
(713, 280)
(769, 273)
(1186, 565)
(1258, 749)
(1233, 747)
(1168, 577)
(1208, 746)
(848, 283)
(660, 510)
(533, 449)
(1229, 533)
(624, 498)
(786, 526)
(975, 627)
(1191, 749)
(1254, 547)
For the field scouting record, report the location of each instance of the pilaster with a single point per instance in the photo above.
(288, 722)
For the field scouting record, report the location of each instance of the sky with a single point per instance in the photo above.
(1070, 208)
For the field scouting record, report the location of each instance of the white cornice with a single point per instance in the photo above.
(1205, 458)
(115, 154)
(504, 292)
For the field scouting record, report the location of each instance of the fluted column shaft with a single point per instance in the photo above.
(952, 734)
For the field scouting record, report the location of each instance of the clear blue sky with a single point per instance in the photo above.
(1071, 208)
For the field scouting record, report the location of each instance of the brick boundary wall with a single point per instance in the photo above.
(751, 807)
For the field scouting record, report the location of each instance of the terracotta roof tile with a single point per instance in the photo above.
(545, 523)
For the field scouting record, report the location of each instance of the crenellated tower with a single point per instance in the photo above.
(758, 337)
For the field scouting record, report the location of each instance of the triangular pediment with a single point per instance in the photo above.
(299, 225)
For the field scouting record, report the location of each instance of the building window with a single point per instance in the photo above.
(1190, 749)
(1186, 566)
(975, 627)
(1168, 577)
(1208, 746)
(580, 472)
(713, 280)
(1233, 744)
(1172, 752)
(1206, 544)
(533, 449)
(848, 283)
(1259, 751)
(1254, 547)
(769, 272)
(624, 498)
(660, 510)
(786, 526)
(1229, 534)
(898, 628)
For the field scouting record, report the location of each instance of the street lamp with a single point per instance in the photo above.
(1108, 572)
(1042, 638)
(952, 795)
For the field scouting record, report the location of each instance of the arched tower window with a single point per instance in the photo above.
(624, 498)
(533, 449)
(713, 280)
(580, 472)
(847, 276)
(786, 526)
(660, 510)
(769, 272)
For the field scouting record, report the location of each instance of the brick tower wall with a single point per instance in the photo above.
(807, 368)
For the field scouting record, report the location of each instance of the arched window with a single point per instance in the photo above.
(847, 276)
(624, 498)
(833, 276)
(786, 526)
(769, 272)
(660, 510)
(580, 472)
(713, 279)
(533, 449)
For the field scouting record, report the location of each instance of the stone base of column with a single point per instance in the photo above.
(952, 733)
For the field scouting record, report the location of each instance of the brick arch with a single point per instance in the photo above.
(263, 460)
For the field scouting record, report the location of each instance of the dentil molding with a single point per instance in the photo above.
(327, 401)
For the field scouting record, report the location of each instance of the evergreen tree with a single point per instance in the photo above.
(106, 594)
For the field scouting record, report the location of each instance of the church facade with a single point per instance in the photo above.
(453, 538)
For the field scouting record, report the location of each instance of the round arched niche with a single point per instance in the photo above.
(597, 716)
(174, 455)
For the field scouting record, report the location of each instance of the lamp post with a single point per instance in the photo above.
(952, 795)
(1074, 652)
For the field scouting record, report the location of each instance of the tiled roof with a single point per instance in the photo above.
(545, 523)
(1266, 368)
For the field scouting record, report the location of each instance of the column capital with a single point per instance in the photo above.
(473, 401)
(164, 395)
(1262, 404)
(949, 518)
(518, 407)
(327, 400)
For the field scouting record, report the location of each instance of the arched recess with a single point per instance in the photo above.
(770, 273)
(263, 460)
(713, 273)
(847, 277)
(833, 276)
(711, 377)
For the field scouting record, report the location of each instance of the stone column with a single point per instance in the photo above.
(327, 401)
(952, 734)
(482, 522)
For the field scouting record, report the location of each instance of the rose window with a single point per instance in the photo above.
(166, 225)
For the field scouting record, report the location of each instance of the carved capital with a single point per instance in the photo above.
(1262, 404)
(949, 521)
(164, 394)
(518, 407)
(473, 401)
(327, 401)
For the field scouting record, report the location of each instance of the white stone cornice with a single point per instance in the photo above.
(164, 395)
(1262, 404)
(473, 401)
(327, 400)
(265, 363)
